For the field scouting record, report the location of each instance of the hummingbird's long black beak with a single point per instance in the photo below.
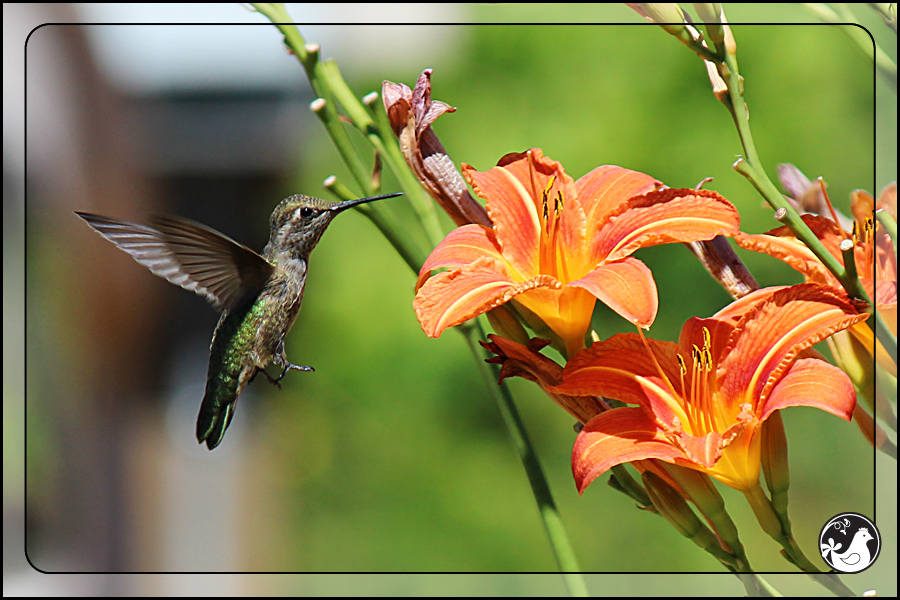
(352, 203)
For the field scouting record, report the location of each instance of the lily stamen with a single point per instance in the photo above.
(828, 202)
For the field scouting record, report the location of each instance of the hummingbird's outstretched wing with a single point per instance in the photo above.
(190, 255)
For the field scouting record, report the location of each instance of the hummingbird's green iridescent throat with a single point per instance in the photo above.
(259, 295)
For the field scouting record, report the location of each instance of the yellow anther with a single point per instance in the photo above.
(707, 359)
(855, 233)
(707, 339)
(681, 365)
(549, 185)
(695, 354)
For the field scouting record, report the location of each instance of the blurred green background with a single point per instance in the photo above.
(392, 457)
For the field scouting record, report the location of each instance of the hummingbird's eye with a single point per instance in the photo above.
(306, 212)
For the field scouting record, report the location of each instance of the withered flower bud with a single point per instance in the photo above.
(411, 113)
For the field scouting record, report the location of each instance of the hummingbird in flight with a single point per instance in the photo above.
(258, 295)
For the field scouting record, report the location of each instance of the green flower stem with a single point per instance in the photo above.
(781, 533)
(559, 541)
(890, 225)
(685, 37)
(387, 223)
(332, 121)
(702, 491)
(751, 168)
(887, 385)
(848, 253)
(309, 59)
(328, 85)
(884, 335)
(765, 586)
(675, 509)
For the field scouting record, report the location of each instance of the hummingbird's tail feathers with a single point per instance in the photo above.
(216, 412)
(212, 423)
(219, 426)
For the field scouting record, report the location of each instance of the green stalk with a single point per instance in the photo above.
(559, 541)
(751, 168)
(781, 533)
(309, 59)
(890, 225)
(328, 85)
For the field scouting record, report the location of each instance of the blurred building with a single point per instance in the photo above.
(203, 121)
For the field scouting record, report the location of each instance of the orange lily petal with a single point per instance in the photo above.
(663, 217)
(449, 298)
(734, 311)
(604, 188)
(462, 246)
(781, 243)
(627, 287)
(621, 368)
(812, 382)
(767, 340)
(512, 191)
(614, 437)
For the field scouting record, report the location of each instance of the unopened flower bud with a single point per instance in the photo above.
(719, 87)
(504, 323)
(666, 15)
(774, 458)
(370, 98)
(708, 13)
(702, 491)
(678, 512)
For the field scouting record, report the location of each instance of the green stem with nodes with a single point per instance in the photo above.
(309, 60)
(622, 481)
(559, 541)
(329, 85)
(781, 533)
(751, 168)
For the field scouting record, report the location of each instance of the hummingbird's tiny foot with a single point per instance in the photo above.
(290, 367)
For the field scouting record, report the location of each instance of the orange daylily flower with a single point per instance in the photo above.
(701, 402)
(558, 245)
(525, 361)
(876, 260)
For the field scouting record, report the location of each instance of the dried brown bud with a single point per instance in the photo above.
(411, 113)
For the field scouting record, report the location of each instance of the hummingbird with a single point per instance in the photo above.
(258, 295)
